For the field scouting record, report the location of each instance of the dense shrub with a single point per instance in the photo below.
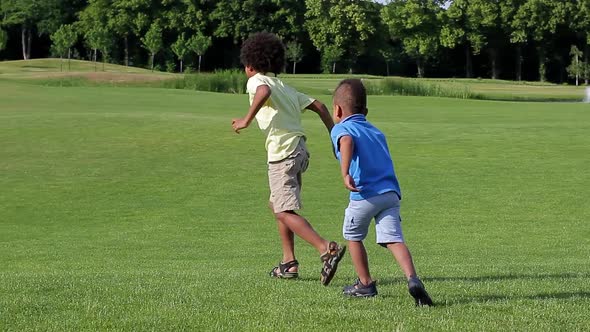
(413, 87)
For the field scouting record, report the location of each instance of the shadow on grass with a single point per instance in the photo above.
(483, 299)
(510, 277)
(504, 277)
(38, 66)
(499, 278)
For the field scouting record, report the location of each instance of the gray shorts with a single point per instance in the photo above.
(384, 208)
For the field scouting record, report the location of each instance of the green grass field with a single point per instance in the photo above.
(140, 209)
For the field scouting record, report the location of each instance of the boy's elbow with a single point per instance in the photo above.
(319, 107)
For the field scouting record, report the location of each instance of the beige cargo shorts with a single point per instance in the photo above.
(284, 179)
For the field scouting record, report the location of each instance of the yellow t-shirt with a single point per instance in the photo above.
(280, 116)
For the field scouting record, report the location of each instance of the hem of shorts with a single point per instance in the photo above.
(355, 240)
(384, 244)
(287, 209)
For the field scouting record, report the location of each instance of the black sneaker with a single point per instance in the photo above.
(418, 292)
(360, 290)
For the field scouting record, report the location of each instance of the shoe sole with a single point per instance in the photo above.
(419, 294)
(326, 280)
(360, 295)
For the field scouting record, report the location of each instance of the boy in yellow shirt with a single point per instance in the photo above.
(277, 108)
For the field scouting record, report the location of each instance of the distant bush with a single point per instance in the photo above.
(227, 81)
(170, 66)
(414, 87)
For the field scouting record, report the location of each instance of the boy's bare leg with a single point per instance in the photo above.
(288, 243)
(358, 253)
(298, 225)
(403, 257)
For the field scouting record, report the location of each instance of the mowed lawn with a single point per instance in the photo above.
(140, 209)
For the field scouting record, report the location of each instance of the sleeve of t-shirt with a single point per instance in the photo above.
(304, 100)
(253, 83)
(337, 132)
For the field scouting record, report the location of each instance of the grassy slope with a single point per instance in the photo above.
(137, 209)
(84, 73)
(489, 89)
(81, 73)
(53, 65)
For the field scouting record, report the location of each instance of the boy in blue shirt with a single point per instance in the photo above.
(368, 172)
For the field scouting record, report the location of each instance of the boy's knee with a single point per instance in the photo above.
(284, 215)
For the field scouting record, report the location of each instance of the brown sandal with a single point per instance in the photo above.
(282, 271)
(331, 259)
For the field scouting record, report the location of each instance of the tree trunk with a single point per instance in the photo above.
(420, 67)
(24, 42)
(519, 62)
(334, 67)
(494, 60)
(468, 64)
(387, 67)
(104, 59)
(294, 64)
(587, 69)
(181, 66)
(577, 71)
(29, 39)
(542, 69)
(200, 58)
(126, 39)
(153, 56)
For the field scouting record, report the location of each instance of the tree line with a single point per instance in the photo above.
(511, 39)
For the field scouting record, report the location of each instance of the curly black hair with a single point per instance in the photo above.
(264, 52)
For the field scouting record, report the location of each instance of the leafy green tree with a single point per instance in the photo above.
(330, 56)
(539, 19)
(99, 39)
(93, 25)
(238, 19)
(21, 13)
(129, 19)
(389, 55)
(468, 23)
(416, 24)
(580, 24)
(294, 53)
(3, 39)
(199, 44)
(63, 39)
(152, 41)
(181, 48)
(339, 28)
(42, 16)
(513, 26)
(577, 67)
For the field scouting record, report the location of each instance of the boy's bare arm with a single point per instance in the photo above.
(321, 109)
(346, 146)
(262, 94)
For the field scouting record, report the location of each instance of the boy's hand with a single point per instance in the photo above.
(349, 183)
(239, 124)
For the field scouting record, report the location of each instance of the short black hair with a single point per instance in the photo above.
(351, 93)
(264, 52)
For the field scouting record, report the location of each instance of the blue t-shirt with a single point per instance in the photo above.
(371, 166)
